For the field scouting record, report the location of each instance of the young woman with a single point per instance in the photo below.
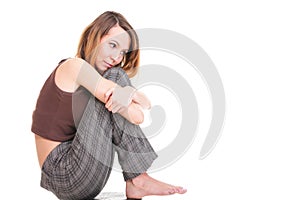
(88, 109)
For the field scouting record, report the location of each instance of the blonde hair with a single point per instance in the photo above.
(87, 47)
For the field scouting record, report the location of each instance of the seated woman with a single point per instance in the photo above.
(88, 109)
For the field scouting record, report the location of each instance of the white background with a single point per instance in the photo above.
(255, 46)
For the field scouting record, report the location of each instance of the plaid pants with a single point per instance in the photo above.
(79, 169)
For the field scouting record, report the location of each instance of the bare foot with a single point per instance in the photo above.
(144, 185)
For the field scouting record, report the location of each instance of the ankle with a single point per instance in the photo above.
(139, 180)
(133, 192)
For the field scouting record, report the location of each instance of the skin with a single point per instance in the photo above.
(111, 50)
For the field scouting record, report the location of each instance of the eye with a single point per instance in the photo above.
(112, 45)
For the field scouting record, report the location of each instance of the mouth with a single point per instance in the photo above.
(107, 64)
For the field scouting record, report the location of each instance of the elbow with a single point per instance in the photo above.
(137, 118)
(136, 114)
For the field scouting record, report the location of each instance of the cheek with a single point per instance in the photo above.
(101, 53)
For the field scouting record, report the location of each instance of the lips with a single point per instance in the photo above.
(107, 64)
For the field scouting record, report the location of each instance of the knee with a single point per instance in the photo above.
(117, 75)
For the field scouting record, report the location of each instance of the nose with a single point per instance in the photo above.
(116, 57)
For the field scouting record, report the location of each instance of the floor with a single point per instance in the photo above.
(112, 196)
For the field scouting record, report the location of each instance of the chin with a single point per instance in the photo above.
(99, 70)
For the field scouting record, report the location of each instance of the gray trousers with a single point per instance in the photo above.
(79, 169)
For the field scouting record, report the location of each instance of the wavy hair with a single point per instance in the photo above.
(87, 47)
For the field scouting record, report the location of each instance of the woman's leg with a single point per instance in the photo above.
(135, 153)
(79, 169)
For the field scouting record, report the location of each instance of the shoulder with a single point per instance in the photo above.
(70, 67)
(71, 64)
(67, 73)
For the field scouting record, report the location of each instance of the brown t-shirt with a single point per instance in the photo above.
(57, 112)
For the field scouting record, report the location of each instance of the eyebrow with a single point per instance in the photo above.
(119, 44)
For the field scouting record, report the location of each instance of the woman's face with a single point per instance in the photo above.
(112, 48)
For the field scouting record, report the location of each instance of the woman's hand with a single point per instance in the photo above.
(119, 98)
(128, 102)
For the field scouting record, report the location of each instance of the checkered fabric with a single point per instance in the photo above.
(79, 169)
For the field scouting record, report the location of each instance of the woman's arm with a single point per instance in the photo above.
(75, 72)
(134, 111)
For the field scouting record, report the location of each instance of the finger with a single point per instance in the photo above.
(116, 108)
(109, 108)
(108, 94)
(108, 103)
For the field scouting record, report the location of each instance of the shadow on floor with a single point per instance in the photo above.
(112, 196)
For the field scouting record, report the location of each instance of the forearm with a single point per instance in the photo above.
(86, 75)
(102, 88)
(89, 78)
